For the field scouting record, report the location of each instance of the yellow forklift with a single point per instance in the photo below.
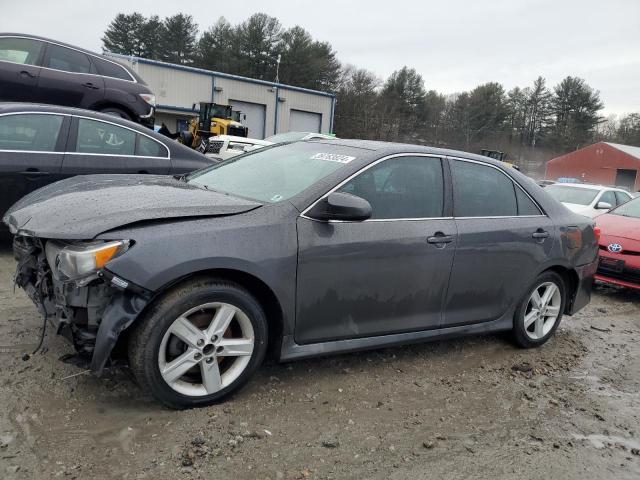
(213, 119)
(500, 156)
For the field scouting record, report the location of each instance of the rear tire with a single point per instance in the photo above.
(199, 343)
(540, 311)
(116, 112)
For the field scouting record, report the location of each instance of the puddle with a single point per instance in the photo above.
(601, 441)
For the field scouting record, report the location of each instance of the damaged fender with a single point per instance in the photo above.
(119, 313)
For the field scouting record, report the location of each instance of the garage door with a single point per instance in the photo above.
(301, 121)
(256, 114)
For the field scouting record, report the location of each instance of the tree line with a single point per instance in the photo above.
(251, 48)
(530, 123)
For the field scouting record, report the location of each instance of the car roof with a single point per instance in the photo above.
(23, 107)
(390, 148)
(175, 147)
(74, 47)
(235, 138)
(590, 186)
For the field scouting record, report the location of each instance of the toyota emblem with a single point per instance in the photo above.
(614, 247)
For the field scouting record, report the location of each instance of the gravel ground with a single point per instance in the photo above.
(475, 407)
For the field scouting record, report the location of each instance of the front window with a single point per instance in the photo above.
(575, 195)
(29, 132)
(629, 209)
(20, 50)
(277, 173)
(401, 187)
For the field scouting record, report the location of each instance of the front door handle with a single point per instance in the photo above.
(540, 234)
(26, 73)
(90, 85)
(440, 237)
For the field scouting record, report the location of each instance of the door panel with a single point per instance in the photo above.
(388, 274)
(30, 154)
(24, 172)
(67, 79)
(357, 279)
(19, 70)
(502, 239)
(495, 258)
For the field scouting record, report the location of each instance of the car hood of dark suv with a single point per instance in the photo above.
(85, 206)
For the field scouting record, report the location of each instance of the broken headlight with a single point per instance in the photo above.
(79, 260)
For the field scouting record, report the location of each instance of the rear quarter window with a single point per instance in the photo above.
(112, 70)
(147, 147)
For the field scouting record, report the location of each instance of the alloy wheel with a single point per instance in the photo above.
(543, 310)
(206, 349)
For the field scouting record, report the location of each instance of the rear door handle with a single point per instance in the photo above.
(440, 237)
(540, 234)
(33, 173)
(90, 85)
(27, 73)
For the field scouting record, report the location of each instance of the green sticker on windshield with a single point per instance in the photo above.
(332, 157)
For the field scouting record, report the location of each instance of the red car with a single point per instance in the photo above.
(620, 245)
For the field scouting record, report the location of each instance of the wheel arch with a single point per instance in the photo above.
(254, 285)
(98, 107)
(571, 281)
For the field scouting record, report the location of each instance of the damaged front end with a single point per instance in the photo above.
(83, 301)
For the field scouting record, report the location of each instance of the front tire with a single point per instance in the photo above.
(540, 311)
(199, 343)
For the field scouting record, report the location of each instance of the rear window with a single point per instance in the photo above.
(276, 173)
(481, 191)
(575, 195)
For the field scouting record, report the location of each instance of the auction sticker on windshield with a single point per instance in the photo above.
(331, 157)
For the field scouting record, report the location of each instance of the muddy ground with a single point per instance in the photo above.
(469, 408)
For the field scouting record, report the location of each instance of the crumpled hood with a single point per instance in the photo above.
(85, 206)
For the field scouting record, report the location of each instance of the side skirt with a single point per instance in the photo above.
(292, 351)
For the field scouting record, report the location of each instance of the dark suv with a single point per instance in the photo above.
(35, 69)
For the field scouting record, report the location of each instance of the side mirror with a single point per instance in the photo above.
(604, 206)
(341, 206)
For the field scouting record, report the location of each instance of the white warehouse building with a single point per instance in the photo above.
(269, 107)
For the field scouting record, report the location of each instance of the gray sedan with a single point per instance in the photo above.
(297, 250)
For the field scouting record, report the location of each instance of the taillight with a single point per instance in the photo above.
(596, 233)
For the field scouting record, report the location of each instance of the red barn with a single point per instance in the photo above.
(603, 163)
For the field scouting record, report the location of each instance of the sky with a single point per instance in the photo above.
(454, 44)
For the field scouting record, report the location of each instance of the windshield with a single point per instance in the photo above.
(286, 137)
(576, 195)
(276, 173)
(629, 209)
